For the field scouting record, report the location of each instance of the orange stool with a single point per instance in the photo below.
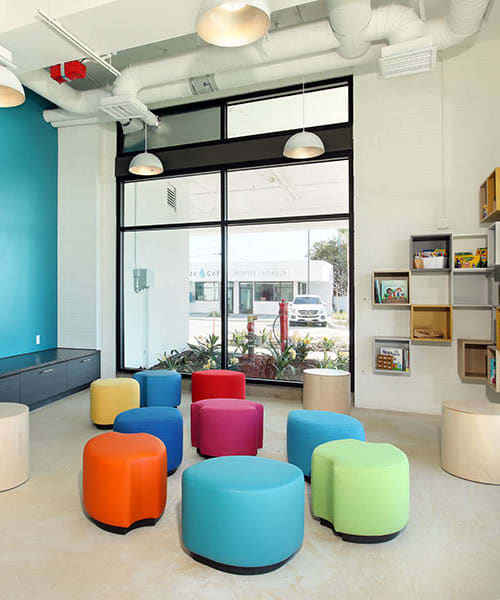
(124, 480)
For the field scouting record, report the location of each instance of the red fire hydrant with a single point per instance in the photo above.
(283, 323)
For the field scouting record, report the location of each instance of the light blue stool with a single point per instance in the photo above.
(159, 387)
(243, 514)
(307, 429)
(163, 422)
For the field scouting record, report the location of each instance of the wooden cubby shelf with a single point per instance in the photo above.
(436, 318)
(431, 241)
(473, 360)
(493, 355)
(402, 281)
(400, 347)
(489, 194)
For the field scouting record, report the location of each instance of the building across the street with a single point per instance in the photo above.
(258, 287)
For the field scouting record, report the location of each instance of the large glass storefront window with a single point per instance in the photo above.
(312, 261)
(237, 258)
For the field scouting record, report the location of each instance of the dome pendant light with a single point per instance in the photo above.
(304, 144)
(230, 23)
(145, 164)
(11, 89)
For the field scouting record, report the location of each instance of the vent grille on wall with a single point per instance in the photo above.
(407, 58)
(172, 197)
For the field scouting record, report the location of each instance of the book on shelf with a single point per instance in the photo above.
(391, 291)
(400, 357)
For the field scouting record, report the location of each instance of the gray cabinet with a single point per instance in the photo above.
(83, 371)
(39, 384)
(38, 378)
(9, 389)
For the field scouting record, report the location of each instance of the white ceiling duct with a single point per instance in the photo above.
(285, 53)
(348, 19)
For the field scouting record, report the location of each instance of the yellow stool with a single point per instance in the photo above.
(110, 397)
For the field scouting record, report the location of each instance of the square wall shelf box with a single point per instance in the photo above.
(489, 198)
(493, 356)
(473, 360)
(431, 241)
(493, 244)
(391, 356)
(431, 323)
(391, 289)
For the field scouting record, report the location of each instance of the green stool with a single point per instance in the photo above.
(361, 490)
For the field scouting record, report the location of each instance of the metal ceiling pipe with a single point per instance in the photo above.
(463, 20)
(393, 23)
(348, 19)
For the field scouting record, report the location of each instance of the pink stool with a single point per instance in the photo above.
(217, 384)
(226, 427)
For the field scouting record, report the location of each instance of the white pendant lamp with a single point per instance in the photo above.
(304, 144)
(230, 23)
(11, 89)
(145, 163)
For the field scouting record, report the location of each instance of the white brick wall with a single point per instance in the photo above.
(398, 191)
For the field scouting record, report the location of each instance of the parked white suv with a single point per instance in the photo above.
(307, 309)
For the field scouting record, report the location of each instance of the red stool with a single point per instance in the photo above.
(226, 427)
(217, 384)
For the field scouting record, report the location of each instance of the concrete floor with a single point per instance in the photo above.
(49, 550)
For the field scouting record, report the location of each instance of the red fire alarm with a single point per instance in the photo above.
(68, 71)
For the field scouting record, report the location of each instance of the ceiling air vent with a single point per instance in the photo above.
(407, 58)
(172, 197)
(124, 108)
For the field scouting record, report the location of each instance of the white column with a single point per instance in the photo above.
(87, 241)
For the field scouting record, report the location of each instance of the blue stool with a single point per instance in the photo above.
(307, 429)
(159, 387)
(161, 421)
(243, 514)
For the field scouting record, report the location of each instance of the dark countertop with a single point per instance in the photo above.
(23, 362)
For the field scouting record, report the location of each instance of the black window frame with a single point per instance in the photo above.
(277, 283)
(222, 156)
(214, 285)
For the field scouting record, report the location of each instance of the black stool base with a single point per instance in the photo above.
(238, 570)
(103, 426)
(359, 539)
(124, 530)
(204, 455)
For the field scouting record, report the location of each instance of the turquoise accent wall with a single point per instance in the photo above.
(28, 228)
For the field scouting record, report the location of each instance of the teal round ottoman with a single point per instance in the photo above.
(159, 387)
(243, 514)
(361, 490)
(307, 429)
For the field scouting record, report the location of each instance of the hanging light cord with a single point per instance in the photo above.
(145, 137)
(303, 104)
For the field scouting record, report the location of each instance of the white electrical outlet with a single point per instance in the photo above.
(37, 338)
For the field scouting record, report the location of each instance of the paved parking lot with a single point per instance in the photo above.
(203, 326)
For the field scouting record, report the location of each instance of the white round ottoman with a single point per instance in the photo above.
(470, 440)
(14, 444)
(327, 389)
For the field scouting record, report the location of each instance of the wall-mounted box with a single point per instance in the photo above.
(493, 355)
(391, 288)
(399, 348)
(489, 198)
(473, 360)
(473, 288)
(431, 323)
(431, 241)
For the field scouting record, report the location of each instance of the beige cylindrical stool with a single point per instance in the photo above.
(110, 397)
(327, 389)
(470, 440)
(14, 445)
